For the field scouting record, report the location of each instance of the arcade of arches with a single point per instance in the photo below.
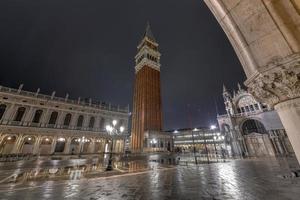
(49, 145)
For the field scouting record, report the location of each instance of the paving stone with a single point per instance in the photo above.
(240, 179)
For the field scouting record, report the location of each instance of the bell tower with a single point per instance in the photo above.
(147, 114)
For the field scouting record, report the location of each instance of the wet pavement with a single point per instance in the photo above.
(237, 179)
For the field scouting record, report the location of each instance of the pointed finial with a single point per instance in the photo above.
(148, 33)
(67, 96)
(224, 88)
(239, 87)
(20, 88)
(53, 94)
(37, 92)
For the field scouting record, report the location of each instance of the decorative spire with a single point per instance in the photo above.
(239, 87)
(148, 33)
(224, 88)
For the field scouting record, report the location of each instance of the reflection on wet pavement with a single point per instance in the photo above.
(76, 168)
(238, 179)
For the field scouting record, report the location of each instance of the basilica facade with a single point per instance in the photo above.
(252, 128)
(33, 123)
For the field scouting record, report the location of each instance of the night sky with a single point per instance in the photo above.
(86, 48)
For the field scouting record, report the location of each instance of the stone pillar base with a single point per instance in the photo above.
(289, 113)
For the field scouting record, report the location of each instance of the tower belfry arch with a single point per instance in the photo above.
(266, 38)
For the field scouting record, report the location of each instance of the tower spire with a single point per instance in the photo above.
(148, 33)
(148, 54)
(239, 87)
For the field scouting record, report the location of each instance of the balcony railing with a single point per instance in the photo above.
(84, 102)
(245, 113)
(53, 126)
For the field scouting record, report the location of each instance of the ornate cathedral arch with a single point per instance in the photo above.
(249, 126)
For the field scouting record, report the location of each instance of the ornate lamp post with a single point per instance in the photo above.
(112, 130)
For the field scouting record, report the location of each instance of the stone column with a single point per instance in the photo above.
(45, 117)
(273, 142)
(86, 120)
(289, 113)
(60, 119)
(18, 144)
(28, 115)
(92, 146)
(74, 119)
(9, 114)
(67, 146)
(36, 145)
(97, 122)
(53, 145)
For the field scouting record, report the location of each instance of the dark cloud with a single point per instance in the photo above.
(86, 48)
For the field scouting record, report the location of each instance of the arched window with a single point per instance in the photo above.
(20, 113)
(53, 117)
(80, 121)
(2, 110)
(102, 123)
(67, 119)
(253, 126)
(92, 122)
(37, 116)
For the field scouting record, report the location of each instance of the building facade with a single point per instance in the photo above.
(201, 140)
(158, 141)
(33, 123)
(252, 128)
(266, 38)
(147, 111)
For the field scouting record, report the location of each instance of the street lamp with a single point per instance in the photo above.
(153, 142)
(112, 130)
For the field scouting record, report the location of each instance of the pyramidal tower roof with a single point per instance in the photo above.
(148, 33)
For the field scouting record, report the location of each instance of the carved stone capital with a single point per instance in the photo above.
(278, 83)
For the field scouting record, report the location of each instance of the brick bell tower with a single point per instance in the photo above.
(147, 114)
